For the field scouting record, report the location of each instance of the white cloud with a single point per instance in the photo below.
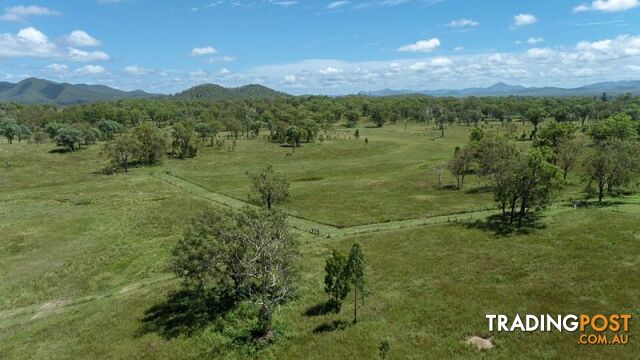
(224, 71)
(220, 59)
(463, 23)
(540, 53)
(82, 38)
(33, 35)
(524, 19)
(91, 70)
(31, 42)
(394, 2)
(330, 71)
(28, 42)
(421, 46)
(535, 40)
(198, 74)
(201, 51)
(607, 6)
(285, 3)
(441, 61)
(87, 56)
(337, 4)
(137, 70)
(582, 63)
(23, 13)
(58, 68)
(605, 59)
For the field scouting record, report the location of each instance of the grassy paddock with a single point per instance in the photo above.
(83, 255)
(429, 288)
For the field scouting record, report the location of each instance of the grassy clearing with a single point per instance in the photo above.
(82, 255)
(344, 182)
(430, 287)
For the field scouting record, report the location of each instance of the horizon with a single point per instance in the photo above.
(403, 91)
(287, 45)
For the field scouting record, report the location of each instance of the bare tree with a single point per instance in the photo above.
(269, 261)
(460, 164)
(439, 172)
(567, 155)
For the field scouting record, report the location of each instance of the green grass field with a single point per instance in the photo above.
(83, 255)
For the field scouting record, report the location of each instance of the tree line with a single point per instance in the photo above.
(296, 120)
(524, 178)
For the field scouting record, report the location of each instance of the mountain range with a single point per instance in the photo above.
(612, 88)
(39, 91)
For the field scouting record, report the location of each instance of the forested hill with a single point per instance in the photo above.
(216, 92)
(38, 91)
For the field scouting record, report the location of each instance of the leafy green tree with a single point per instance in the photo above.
(249, 254)
(69, 138)
(498, 160)
(337, 279)
(122, 150)
(477, 134)
(612, 164)
(554, 134)
(185, 143)
(537, 182)
(90, 134)
(619, 126)
(52, 129)
(269, 188)
(10, 130)
(352, 117)
(377, 116)
(309, 130)
(153, 143)
(356, 271)
(24, 133)
(293, 137)
(535, 115)
(109, 129)
(208, 255)
(208, 130)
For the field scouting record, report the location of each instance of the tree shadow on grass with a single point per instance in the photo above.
(331, 326)
(62, 151)
(500, 225)
(322, 309)
(479, 190)
(184, 312)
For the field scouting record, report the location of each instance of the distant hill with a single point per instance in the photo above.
(38, 91)
(612, 88)
(213, 92)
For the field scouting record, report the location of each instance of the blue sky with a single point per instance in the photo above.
(318, 46)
